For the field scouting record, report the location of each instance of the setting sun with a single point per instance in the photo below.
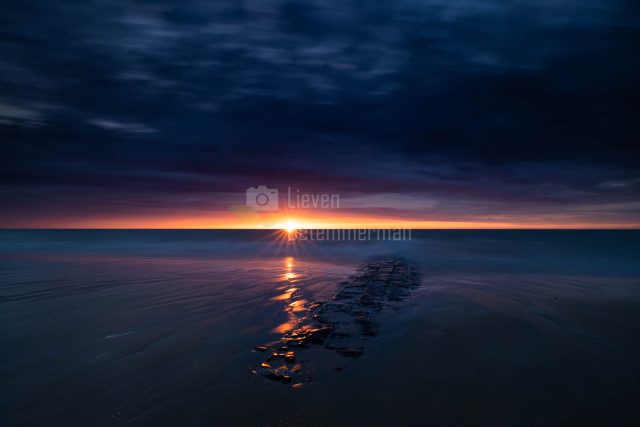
(290, 225)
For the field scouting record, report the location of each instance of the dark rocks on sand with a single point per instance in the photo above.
(278, 374)
(349, 352)
(344, 323)
(289, 356)
(302, 336)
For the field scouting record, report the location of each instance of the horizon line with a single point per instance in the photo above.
(327, 228)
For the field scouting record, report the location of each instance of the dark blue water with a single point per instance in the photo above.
(148, 327)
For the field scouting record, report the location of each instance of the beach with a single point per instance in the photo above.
(150, 327)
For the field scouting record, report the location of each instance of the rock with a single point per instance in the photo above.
(367, 327)
(302, 336)
(279, 374)
(343, 323)
(289, 356)
(349, 352)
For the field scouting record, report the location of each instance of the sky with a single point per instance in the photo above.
(425, 114)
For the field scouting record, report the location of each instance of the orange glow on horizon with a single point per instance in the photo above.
(303, 220)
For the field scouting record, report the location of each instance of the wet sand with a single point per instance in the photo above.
(504, 330)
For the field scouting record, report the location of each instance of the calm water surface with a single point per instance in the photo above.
(157, 328)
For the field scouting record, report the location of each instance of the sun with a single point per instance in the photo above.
(290, 225)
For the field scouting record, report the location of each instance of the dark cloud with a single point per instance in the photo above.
(475, 107)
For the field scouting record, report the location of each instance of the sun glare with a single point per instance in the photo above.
(290, 225)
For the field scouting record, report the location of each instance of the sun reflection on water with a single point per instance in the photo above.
(292, 295)
(289, 274)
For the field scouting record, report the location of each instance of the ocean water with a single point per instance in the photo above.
(158, 327)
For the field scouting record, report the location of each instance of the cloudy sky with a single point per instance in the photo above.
(433, 113)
